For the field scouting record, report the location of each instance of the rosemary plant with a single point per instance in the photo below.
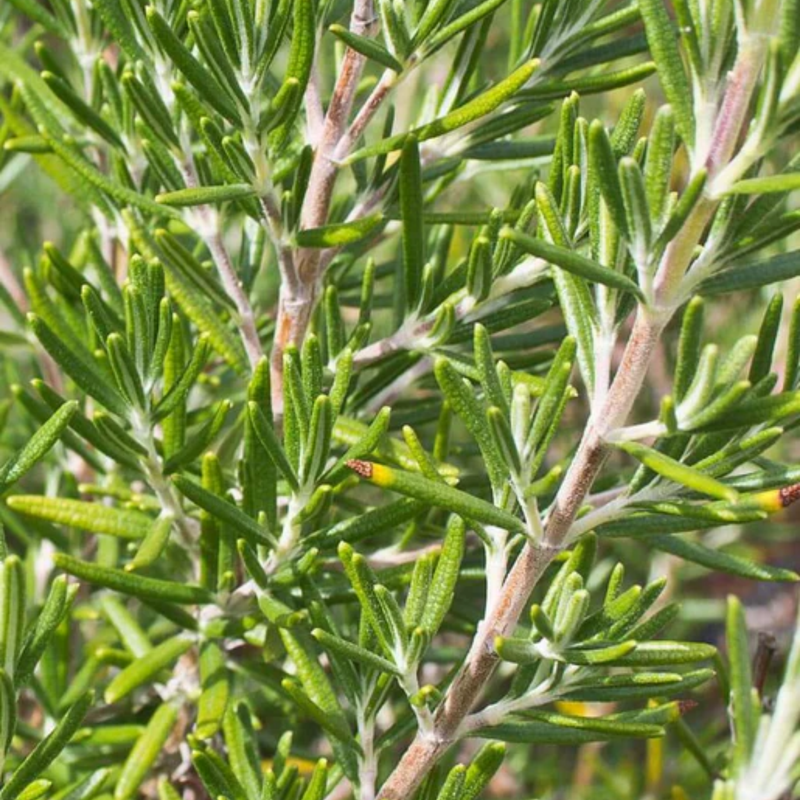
(364, 391)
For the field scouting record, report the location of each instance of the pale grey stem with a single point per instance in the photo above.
(525, 274)
(315, 115)
(212, 236)
(235, 290)
(163, 489)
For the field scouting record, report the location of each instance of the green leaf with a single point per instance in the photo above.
(201, 440)
(770, 409)
(680, 213)
(551, 405)
(782, 267)
(662, 38)
(741, 702)
(453, 787)
(154, 543)
(152, 589)
(38, 445)
(84, 373)
(451, 29)
(664, 653)
(217, 776)
(441, 592)
(482, 769)
(479, 268)
(119, 26)
(572, 262)
(318, 783)
(298, 70)
(689, 345)
(679, 473)
(658, 163)
(86, 429)
(120, 193)
(240, 740)
(367, 47)
(561, 729)
(299, 647)
(8, 712)
(767, 337)
(12, 612)
(83, 112)
(353, 652)
(463, 402)
(177, 258)
(56, 606)
(340, 234)
(47, 750)
(206, 195)
(363, 446)
(94, 517)
(599, 654)
(767, 184)
(37, 789)
(488, 369)
(332, 725)
(146, 751)
(504, 439)
(202, 80)
(411, 205)
(603, 162)
(126, 625)
(147, 667)
(178, 391)
(638, 686)
(223, 510)
(637, 212)
(265, 433)
(476, 108)
(437, 494)
(373, 522)
(719, 560)
(195, 305)
(124, 369)
(364, 584)
(40, 15)
(317, 445)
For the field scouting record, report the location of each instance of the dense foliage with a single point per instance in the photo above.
(358, 402)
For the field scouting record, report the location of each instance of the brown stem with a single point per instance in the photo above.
(324, 169)
(295, 306)
(592, 451)
(299, 291)
(530, 565)
(481, 661)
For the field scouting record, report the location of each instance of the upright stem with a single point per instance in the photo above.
(482, 659)
(592, 452)
(296, 303)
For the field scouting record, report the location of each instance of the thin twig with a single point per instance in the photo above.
(211, 233)
(235, 290)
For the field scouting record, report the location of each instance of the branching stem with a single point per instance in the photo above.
(613, 413)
